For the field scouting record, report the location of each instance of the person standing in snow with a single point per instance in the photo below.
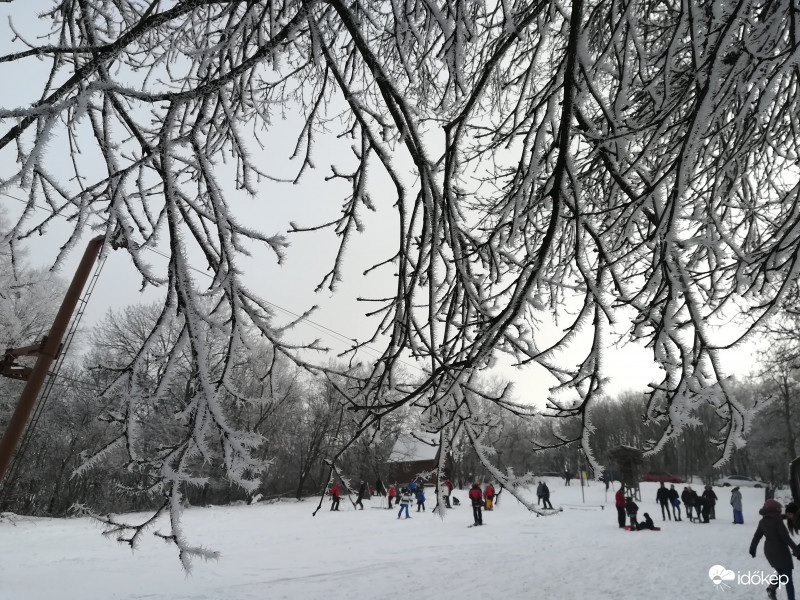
(476, 496)
(619, 502)
(697, 502)
(662, 498)
(449, 490)
(420, 500)
(688, 502)
(391, 492)
(710, 501)
(701, 507)
(736, 503)
(405, 500)
(335, 496)
(362, 490)
(546, 496)
(778, 545)
(489, 495)
(631, 508)
(674, 500)
(539, 492)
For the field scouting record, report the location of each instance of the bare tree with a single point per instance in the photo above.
(639, 156)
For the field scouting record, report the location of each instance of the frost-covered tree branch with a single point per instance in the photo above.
(632, 157)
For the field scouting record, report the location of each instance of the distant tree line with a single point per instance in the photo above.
(533, 446)
(74, 454)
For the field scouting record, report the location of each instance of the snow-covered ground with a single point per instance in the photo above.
(272, 551)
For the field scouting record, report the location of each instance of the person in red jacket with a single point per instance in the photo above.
(392, 493)
(335, 496)
(489, 495)
(619, 502)
(477, 501)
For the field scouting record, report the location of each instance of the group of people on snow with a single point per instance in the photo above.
(700, 508)
(404, 497)
(778, 543)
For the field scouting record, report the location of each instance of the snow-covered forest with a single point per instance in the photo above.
(625, 169)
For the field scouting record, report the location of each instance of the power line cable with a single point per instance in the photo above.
(319, 326)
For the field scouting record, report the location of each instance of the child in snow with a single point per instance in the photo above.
(647, 523)
(420, 500)
(489, 494)
(405, 500)
(778, 546)
(392, 493)
(631, 508)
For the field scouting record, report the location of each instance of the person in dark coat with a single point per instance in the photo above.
(662, 497)
(646, 524)
(619, 502)
(546, 496)
(701, 508)
(380, 489)
(778, 545)
(711, 500)
(674, 500)
(688, 502)
(449, 488)
(362, 490)
(539, 492)
(420, 500)
(476, 496)
(631, 508)
(698, 505)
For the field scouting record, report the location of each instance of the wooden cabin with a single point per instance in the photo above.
(415, 457)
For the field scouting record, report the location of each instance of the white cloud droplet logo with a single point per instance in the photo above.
(719, 574)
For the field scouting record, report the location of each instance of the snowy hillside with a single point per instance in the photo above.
(272, 551)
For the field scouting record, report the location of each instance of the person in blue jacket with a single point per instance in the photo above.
(420, 500)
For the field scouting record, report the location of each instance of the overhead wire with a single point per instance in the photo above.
(304, 320)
